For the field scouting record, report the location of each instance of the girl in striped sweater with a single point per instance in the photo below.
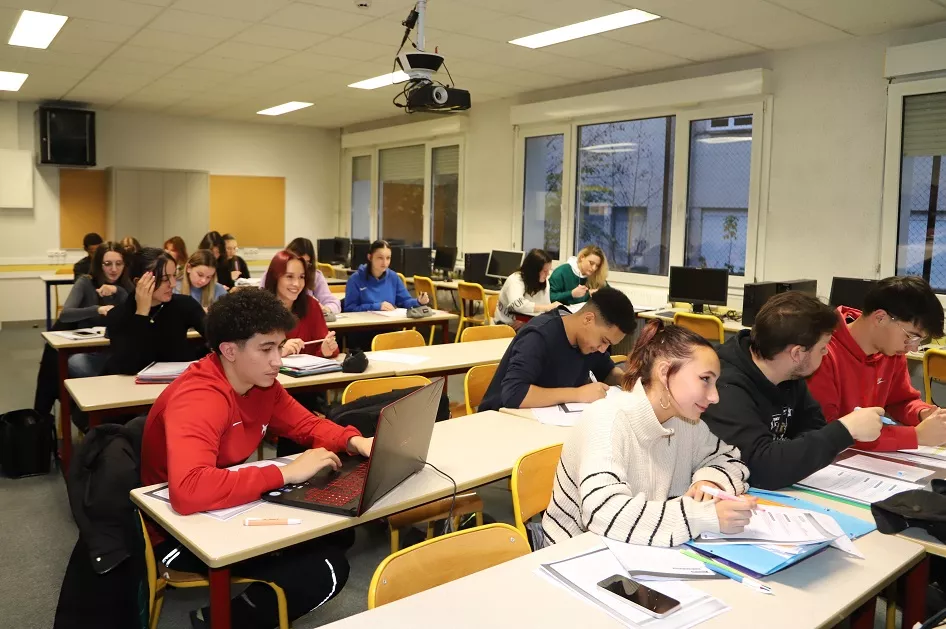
(635, 465)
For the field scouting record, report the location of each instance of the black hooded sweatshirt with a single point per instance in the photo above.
(779, 429)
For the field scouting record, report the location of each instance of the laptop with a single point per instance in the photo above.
(400, 450)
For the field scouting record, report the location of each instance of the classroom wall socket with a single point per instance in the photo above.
(56, 256)
(251, 252)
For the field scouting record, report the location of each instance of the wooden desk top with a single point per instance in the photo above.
(817, 592)
(446, 357)
(466, 448)
(728, 326)
(58, 278)
(453, 285)
(60, 342)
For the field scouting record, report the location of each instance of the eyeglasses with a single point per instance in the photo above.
(911, 338)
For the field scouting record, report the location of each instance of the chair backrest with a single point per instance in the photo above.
(364, 388)
(403, 279)
(533, 476)
(64, 271)
(444, 559)
(491, 302)
(707, 326)
(487, 333)
(151, 568)
(397, 340)
(469, 291)
(338, 289)
(934, 368)
(326, 269)
(426, 285)
(475, 383)
(619, 358)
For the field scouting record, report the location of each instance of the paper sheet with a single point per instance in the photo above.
(396, 313)
(885, 468)
(577, 407)
(783, 525)
(394, 357)
(916, 458)
(307, 361)
(855, 485)
(82, 334)
(555, 416)
(164, 369)
(644, 563)
(936, 452)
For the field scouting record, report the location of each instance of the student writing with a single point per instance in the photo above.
(526, 291)
(231, 267)
(375, 287)
(199, 279)
(575, 281)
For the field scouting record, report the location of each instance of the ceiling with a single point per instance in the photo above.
(227, 59)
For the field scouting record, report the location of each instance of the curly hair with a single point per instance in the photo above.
(240, 315)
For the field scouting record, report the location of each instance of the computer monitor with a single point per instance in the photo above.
(416, 262)
(850, 291)
(342, 250)
(325, 250)
(502, 264)
(808, 287)
(359, 253)
(474, 267)
(445, 258)
(397, 258)
(699, 286)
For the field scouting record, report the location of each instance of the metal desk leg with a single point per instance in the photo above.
(65, 404)
(446, 331)
(914, 593)
(49, 308)
(863, 618)
(220, 598)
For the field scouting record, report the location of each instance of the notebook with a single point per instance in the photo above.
(161, 373)
(299, 365)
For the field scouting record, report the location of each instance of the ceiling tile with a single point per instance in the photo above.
(682, 40)
(160, 95)
(67, 59)
(316, 62)
(168, 40)
(866, 18)
(111, 11)
(184, 84)
(248, 10)
(157, 3)
(634, 59)
(771, 26)
(109, 81)
(565, 12)
(147, 70)
(278, 37)
(148, 55)
(227, 65)
(197, 24)
(352, 49)
(249, 52)
(31, 5)
(378, 8)
(587, 46)
(199, 77)
(458, 15)
(385, 31)
(509, 6)
(507, 28)
(580, 70)
(317, 19)
(83, 46)
(95, 30)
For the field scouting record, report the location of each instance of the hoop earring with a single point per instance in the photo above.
(665, 407)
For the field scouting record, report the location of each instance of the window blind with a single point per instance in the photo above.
(405, 163)
(446, 160)
(924, 125)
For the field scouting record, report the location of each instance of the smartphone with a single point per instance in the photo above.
(647, 600)
(86, 333)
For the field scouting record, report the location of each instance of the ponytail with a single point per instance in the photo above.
(658, 341)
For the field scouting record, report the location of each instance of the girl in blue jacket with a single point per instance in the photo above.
(375, 287)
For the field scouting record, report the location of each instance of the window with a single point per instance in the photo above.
(401, 195)
(624, 192)
(542, 194)
(361, 197)
(718, 193)
(921, 239)
(444, 195)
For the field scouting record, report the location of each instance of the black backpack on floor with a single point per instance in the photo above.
(27, 443)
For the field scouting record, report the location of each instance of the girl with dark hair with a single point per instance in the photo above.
(317, 286)
(373, 288)
(199, 279)
(287, 278)
(178, 250)
(526, 292)
(637, 462)
(230, 266)
(212, 241)
(130, 245)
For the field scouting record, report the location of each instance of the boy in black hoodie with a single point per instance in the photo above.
(764, 406)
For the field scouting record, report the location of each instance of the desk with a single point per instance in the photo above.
(54, 280)
(453, 285)
(350, 321)
(818, 592)
(728, 326)
(466, 448)
(447, 359)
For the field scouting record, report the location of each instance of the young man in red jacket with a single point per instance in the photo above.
(214, 416)
(866, 363)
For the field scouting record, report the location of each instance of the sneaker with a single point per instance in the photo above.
(197, 622)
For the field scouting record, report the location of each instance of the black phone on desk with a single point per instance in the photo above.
(652, 602)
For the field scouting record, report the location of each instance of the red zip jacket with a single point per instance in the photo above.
(848, 377)
(200, 425)
(311, 327)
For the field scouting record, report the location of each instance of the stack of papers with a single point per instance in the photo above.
(933, 452)
(874, 465)
(161, 373)
(397, 313)
(82, 334)
(565, 414)
(855, 485)
(299, 365)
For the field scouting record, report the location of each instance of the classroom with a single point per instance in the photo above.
(349, 312)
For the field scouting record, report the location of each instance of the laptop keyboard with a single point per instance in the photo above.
(340, 491)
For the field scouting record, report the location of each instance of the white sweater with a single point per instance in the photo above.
(622, 473)
(513, 299)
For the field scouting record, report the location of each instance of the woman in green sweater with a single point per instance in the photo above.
(576, 281)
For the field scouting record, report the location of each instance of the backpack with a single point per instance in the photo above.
(27, 442)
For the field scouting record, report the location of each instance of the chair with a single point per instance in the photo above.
(934, 368)
(466, 503)
(532, 479)
(157, 584)
(397, 340)
(58, 305)
(491, 302)
(487, 333)
(619, 358)
(326, 269)
(707, 326)
(475, 383)
(426, 285)
(403, 279)
(470, 294)
(442, 560)
(338, 289)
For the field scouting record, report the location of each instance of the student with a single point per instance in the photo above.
(765, 408)
(231, 267)
(553, 357)
(636, 465)
(526, 291)
(152, 323)
(89, 242)
(90, 299)
(214, 416)
(866, 364)
(372, 287)
(212, 241)
(178, 250)
(199, 279)
(318, 287)
(576, 281)
(287, 277)
(130, 246)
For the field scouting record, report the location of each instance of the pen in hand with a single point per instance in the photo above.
(591, 375)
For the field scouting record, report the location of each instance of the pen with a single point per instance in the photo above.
(591, 375)
(722, 570)
(722, 495)
(270, 521)
(314, 342)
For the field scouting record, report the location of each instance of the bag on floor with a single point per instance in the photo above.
(27, 443)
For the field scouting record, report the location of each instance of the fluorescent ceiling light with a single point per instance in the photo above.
(725, 139)
(11, 81)
(36, 30)
(584, 29)
(285, 108)
(617, 147)
(381, 81)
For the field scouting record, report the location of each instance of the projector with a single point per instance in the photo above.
(427, 96)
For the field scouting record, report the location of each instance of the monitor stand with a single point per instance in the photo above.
(698, 308)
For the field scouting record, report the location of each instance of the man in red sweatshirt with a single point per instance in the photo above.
(214, 416)
(866, 363)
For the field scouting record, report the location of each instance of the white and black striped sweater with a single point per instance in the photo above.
(622, 473)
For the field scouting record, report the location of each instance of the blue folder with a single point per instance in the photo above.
(759, 562)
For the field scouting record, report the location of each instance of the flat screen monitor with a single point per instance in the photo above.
(502, 264)
(474, 267)
(416, 262)
(325, 250)
(699, 286)
(850, 291)
(359, 253)
(397, 258)
(445, 258)
(342, 250)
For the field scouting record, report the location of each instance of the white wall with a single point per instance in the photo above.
(308, 159)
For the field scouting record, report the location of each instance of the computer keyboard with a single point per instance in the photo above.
(340, 491)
